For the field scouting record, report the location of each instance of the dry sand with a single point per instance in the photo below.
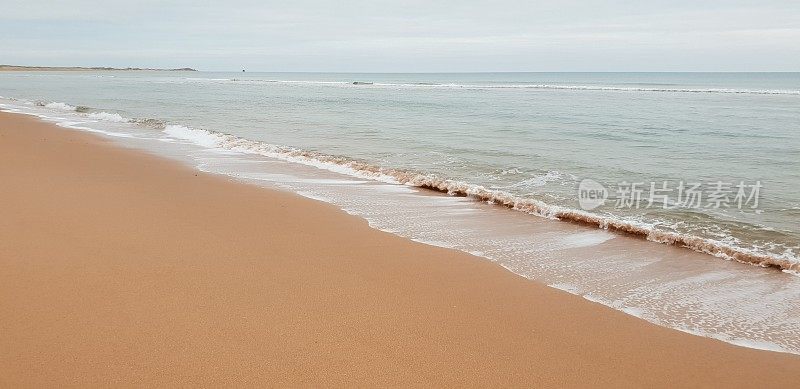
(118, 268)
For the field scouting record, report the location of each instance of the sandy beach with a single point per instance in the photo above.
(118, 268)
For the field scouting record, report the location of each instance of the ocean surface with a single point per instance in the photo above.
(670, 196)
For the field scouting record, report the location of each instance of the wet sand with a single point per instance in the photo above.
(118, 268)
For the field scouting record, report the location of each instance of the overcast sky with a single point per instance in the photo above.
(405, 36)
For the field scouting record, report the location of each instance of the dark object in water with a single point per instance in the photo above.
(361, 83)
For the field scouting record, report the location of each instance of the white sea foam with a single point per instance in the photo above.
(201, 137)
(81, 111)
(312, 196)
(585, 239)
(535, 181)
(109, 117)
(78, 126)
(60, 106)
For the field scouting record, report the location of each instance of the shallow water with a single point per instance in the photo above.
(526, 140)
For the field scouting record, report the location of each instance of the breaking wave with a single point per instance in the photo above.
(89, 113)
(109, 117)
(58, 106)
(205, 138)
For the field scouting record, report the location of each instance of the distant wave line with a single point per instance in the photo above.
(431, 85)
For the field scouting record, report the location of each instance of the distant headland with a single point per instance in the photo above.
(80, 68)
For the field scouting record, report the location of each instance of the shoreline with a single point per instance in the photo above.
(715, 248)
(146, 272)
